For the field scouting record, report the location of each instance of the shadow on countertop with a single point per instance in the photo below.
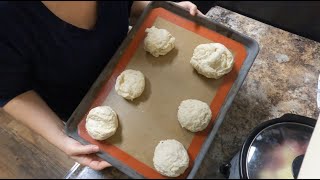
(298, 17)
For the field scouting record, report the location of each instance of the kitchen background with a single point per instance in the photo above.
(24, 154)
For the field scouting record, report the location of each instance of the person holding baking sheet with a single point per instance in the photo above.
(51, 52)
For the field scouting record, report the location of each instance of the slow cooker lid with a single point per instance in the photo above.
(272, 151)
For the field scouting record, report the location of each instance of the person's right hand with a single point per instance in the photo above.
(84, 154)
(30, 109)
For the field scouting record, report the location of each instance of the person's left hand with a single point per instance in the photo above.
(192, 8)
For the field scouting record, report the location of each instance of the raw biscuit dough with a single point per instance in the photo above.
(158, 41)
(212, 60)
(130, 84)
(194, 115)
(170, 158)
(101, 122)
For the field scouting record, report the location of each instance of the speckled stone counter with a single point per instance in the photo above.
(283, 79)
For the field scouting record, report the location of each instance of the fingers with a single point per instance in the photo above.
(193, 9)
(84, 154)
(99, 165)
(79, 149)
(92, 161)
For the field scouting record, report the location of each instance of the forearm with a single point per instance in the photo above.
(32, 111)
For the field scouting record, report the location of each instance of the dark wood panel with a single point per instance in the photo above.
(24, 154)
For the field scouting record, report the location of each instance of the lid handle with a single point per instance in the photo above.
(296, 165)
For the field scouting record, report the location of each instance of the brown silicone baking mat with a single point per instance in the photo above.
(170, 79)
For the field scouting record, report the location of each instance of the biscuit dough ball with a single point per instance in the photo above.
(101, 122)
(130, 84)
(212, 60)
(158, 41)
(194, 115)
(170, 158)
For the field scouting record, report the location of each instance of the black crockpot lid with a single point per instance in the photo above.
(271, 148)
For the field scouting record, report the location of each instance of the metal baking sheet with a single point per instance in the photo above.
(169, 80)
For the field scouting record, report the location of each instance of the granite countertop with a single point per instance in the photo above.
(283, 79)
